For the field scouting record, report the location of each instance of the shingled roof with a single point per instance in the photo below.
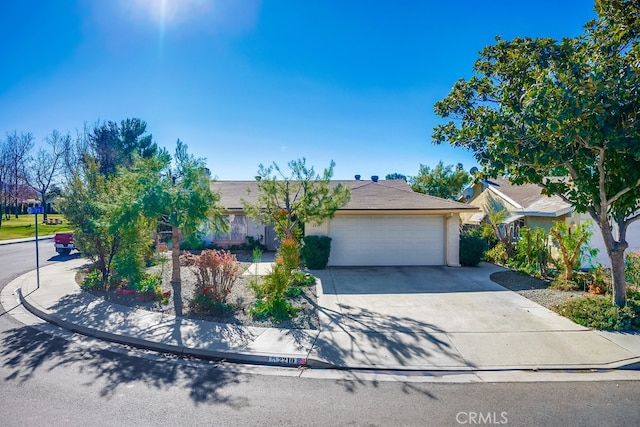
(529, 197)
(387, 195)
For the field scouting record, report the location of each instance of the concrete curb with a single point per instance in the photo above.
(238, 357)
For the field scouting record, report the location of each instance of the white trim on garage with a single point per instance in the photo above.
(387, 240)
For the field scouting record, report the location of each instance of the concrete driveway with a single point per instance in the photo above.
(429, 298)
(446, 318)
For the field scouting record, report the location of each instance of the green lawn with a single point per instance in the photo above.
(24, 226)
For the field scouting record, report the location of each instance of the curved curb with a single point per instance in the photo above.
(248, 358)
(295, 360)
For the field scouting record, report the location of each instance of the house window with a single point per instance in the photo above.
(237, 228)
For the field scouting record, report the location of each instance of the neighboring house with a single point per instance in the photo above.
(384, 224)
(526, 204)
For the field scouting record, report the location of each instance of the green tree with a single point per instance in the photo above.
(538, 105)
(441, 181)
(178, 193)
(114, 144)
(288, 200)
(89, 203)
(395, 175)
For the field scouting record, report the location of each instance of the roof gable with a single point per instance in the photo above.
(529, 197)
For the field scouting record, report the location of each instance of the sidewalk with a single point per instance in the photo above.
(60, 301)
(25, 239)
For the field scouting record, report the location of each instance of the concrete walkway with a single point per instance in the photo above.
(351, 336)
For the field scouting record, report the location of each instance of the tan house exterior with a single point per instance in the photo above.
(384, 224)
(526, 204)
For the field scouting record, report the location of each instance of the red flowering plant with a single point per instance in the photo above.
(216, 272)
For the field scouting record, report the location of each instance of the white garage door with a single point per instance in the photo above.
(387, 240)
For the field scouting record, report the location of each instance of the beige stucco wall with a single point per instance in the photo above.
(452, 240)
(487, 201)
(320, 230)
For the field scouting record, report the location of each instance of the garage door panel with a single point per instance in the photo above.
(387, 240)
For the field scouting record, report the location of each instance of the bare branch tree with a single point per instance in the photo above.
(46, 166)
(19, 147)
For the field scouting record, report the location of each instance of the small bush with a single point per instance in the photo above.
(599, 312)
(216, 272)
(472, 249)
(632, 267)
(148, 284)
(289, 254)
(272, 291)
(299, 278)
(498, 254)
(561, 283)
(193, 242)
(93, 280)
(315, 251)
(293, 292)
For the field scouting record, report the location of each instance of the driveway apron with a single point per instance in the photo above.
(446, 318)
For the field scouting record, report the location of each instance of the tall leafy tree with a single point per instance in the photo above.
(534, 106)
(114, 144)
(178, 192)
(90, 203)
(442, 181)
(287, 200)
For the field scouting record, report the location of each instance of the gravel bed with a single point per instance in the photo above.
(242, 297)
(535, 289)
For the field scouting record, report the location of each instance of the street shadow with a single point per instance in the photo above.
(62, 258)
(26, 351)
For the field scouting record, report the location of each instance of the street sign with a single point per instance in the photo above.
(36, 210)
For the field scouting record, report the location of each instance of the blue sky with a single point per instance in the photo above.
(250, 82)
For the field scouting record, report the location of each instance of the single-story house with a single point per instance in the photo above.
(384, 224)
(526, 204)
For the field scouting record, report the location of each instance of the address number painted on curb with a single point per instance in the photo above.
(288, 360)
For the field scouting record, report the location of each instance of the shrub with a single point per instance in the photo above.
(299, 278)
(570, 244)
(272, 291)
(193, 242)
(599, 312)
(472, 249)
(599, 283)
(93, 280)
(289, 254)
(498, 254)
(633, 293)
(216, 272)
(595, 281)
(561, 283)
(531, 252)
(148, 284)
(632, 267)
(315, 251)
